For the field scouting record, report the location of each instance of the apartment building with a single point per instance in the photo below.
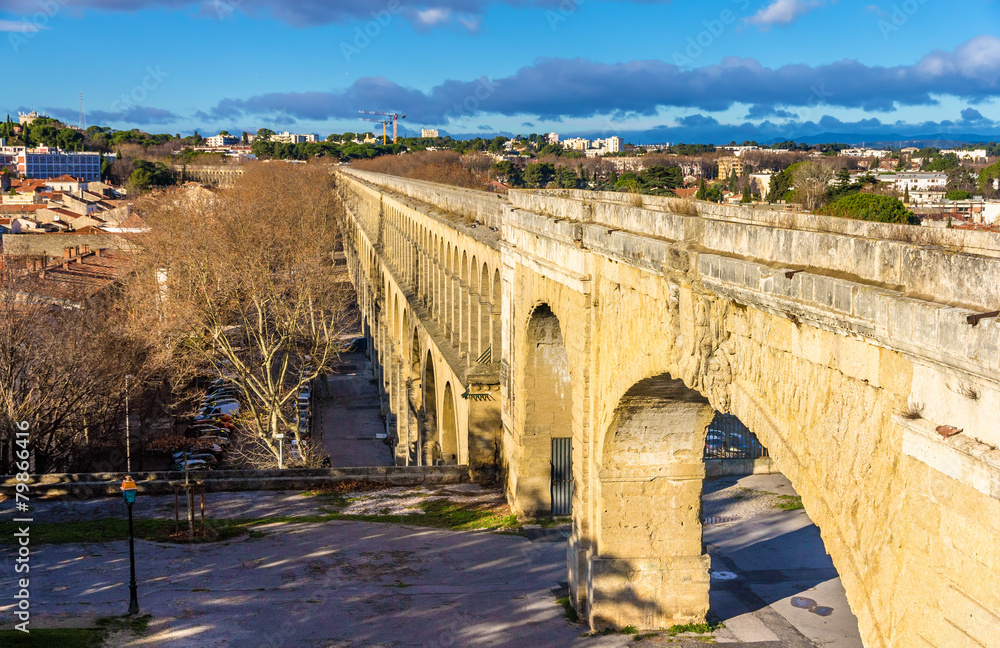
(50, 162)
(730, 165)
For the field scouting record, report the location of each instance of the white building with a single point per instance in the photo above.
(916, 181)
(739, 150)
(291, 138)
(49, 162)
(220, 140)
(977, 154)
(614, 144)
(576, 144)
(553, 138)
(429, 132)
(24, 119)
(864, 152)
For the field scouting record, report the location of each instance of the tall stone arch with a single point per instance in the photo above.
(547, 402)
(647, 567)
(449, 427)
(430, 427)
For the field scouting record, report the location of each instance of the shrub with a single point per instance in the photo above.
(870, 207)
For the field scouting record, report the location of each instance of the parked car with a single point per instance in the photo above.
(217, 440)
(715, 443)
(226, 393)
(197, 429)
(355, 345)
(191, 464)
(208, 458)
(215, 411)
(211, 448)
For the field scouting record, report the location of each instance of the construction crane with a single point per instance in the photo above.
(387, 115)
(384, 123)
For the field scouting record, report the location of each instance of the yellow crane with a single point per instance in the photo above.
(385, 121)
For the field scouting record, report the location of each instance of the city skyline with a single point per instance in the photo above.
(649, 71)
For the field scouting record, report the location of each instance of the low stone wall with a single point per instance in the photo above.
(728, 467)
(162, 483)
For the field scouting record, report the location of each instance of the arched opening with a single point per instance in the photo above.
(542, 487)
(496, 302)
(754, 524)
(414, 394)
(449, 428)
(485, 314)
(693, 523)
(429, 428)
(648, 568)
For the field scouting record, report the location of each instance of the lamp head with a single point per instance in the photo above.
(129, 490)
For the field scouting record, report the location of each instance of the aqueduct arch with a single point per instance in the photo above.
(647, 566)
(429, 425)
(449, 427)
(547, 399)
(818, 333)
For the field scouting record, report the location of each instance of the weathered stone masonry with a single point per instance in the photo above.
(623, 327)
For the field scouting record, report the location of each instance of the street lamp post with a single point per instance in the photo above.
(128, 431)
(128, 493)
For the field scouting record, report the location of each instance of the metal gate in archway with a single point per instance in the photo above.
(561, 487)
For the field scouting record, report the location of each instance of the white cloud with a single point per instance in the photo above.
(433, 16)
(22, 26)
(782, 12)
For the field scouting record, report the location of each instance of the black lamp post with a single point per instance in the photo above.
(128, 493)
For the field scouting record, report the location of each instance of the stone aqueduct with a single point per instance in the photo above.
(499, 323)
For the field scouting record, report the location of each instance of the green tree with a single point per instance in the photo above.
(747, 196)
(662, 177)
(870, 207)
(264, 134)
(629, 182)
(539, 174)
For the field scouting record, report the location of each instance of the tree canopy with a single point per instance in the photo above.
(870, 207)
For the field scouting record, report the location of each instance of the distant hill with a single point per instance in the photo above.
(939, 140)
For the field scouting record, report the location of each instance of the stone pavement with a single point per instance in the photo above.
(772, 579)
(326, 585)
(346, 584)
(348, 417)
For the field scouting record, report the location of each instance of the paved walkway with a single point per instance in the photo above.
(332, 585)
(351, 584)
(348, 415)
(783, 587)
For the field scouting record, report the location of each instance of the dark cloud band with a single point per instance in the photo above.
(554, 89)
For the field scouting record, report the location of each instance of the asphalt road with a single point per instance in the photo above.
(348, 415)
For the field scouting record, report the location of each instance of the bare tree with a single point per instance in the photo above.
(811, 180)
(62, 372)
(245, 286)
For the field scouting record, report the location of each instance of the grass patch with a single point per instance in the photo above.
(54, 638)
(789, 502)
(136, 624)
(694, 628)
(630, 630)
(437, 513)
(568, 610)
(110, 529)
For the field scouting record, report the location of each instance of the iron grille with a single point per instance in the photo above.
(727, 438)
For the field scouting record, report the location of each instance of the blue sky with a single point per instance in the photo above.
(651, 70)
